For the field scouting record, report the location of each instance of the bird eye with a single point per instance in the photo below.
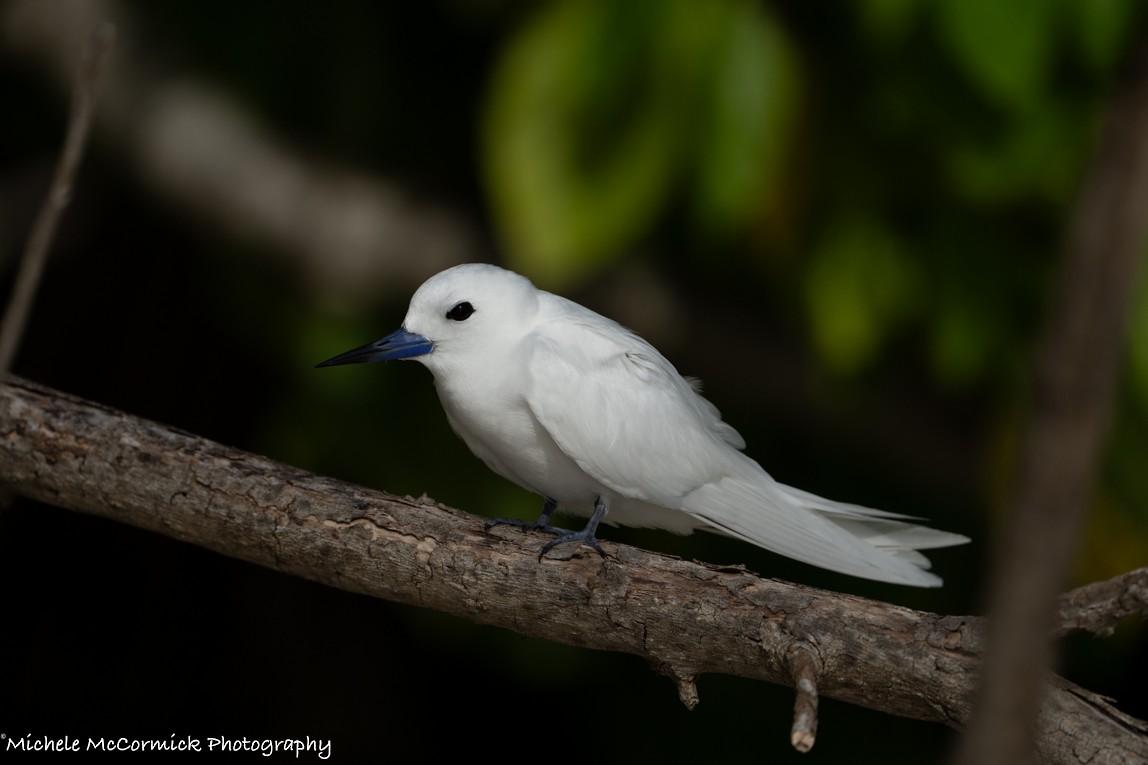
(460, 312)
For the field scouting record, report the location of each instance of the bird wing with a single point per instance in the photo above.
(621, 411)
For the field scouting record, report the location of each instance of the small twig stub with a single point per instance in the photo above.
(803, 663)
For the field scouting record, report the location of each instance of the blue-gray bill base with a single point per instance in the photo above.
(580, 410)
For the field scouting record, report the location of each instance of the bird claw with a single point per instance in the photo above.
(563, 536)
(585, 537)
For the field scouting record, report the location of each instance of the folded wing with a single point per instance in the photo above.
(621, 411)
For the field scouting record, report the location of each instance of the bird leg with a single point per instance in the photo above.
(586, 536)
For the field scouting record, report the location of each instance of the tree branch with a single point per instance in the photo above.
(1098, 607)
(685, 618)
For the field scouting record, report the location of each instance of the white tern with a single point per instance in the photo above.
(580, 410)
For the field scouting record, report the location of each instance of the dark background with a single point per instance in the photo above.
(860, 291)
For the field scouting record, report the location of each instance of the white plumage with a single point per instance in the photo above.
(576, 408)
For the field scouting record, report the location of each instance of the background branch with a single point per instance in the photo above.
(1077, 368)
(87, 82)
(685, 618)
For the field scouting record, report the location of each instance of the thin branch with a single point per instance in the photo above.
(59, 194)
(1100, 606)
(684, 618)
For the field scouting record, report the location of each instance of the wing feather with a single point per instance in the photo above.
(620, 410)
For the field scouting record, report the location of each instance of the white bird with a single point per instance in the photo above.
(580, 410)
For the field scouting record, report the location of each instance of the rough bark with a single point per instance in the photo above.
(684, 617)
(1099, 607)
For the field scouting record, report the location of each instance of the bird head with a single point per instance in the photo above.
(472, 309)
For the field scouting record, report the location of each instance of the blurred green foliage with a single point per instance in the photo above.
(604, 119)
(601, 113)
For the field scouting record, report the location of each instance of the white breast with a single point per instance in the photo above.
(499, 428)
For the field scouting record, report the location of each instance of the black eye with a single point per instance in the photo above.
(460, 312)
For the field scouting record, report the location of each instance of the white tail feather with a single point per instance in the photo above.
(838, 536)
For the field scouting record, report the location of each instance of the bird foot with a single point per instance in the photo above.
(585, 536)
